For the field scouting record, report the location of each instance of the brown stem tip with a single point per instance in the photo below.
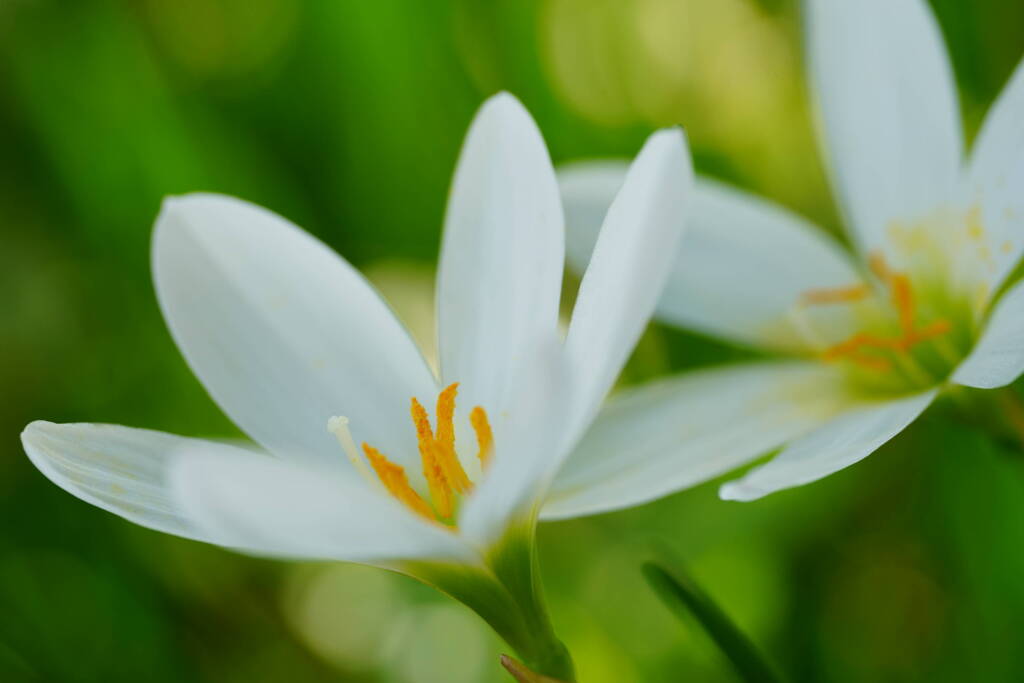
(522, 674)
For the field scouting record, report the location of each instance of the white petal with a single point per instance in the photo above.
(588, 188)
(666, 436)
(120, 469)
(500, 275)
(631, 262)
(995, 177)
(998, 357)
(845, 440)
(283, 332)
(527, 450)
(280, 508)
(560, 392)
(745, 265)
(891, 118)
(734, 274)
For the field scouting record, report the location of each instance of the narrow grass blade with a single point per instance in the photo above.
(681, 595)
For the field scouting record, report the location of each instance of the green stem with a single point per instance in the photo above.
(516, 565)
(507, 595)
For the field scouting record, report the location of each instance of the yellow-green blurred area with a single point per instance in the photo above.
(346, 116)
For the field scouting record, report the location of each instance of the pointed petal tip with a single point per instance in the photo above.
(668, 146)
(669, 135)
(504, 111)
(173, 202)
(189, 200)
(502, 99)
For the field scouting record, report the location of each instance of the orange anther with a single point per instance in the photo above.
(397, 484)
(442, 468)
(440, 491)
(445, 441)
(838, 295)
(484, 437)
(879, 266)
(902, 298)
(903, 301)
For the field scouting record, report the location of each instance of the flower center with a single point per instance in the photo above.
(445, 476)
(900, 344)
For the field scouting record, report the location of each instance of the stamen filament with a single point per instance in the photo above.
(338, 426)
(838, 295)
(902, 299)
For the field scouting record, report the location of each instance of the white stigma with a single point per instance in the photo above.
(338, 425)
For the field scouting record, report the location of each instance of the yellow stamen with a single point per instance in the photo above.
(396, 482)
(445, 441)
(857, 342)
(838, 295)
(902, 299)
(930, 331)
(445, 477)
(484, 437)
(440, 491)
(879, 266)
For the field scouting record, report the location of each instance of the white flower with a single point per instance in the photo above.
(297, 348)
(925, 302)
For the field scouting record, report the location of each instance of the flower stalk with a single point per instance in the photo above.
(507, 594)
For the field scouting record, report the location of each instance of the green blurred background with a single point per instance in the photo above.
(346, 116)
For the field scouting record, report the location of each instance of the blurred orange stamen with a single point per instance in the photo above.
(838, 295)
(902, 298)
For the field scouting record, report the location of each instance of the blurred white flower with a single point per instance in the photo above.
(287, 337)
(923, 303)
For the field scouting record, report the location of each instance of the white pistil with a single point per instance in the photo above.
(338, 425)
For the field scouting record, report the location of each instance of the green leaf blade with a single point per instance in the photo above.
(684, 597)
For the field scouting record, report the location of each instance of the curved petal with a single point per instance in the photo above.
(282, 331)
(998, 357)
(526, 450)
(672, 434)
(847, 439)
(631, 262)
(560, 392)
(588, 188)
(119, 469)
(500, 275)
(279, 508)
(892, 128)
(995, 177)
(742, 267)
